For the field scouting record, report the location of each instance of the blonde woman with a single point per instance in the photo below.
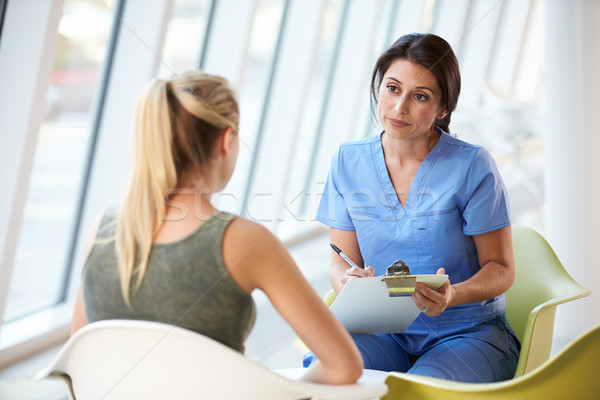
(168, 255)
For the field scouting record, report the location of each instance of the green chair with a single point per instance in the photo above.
(541, 283)
(571, 374)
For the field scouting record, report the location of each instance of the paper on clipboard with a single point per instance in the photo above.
(368, 305)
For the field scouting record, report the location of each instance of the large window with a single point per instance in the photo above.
(41, 266)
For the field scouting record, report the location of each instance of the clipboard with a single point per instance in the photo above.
(381, 304)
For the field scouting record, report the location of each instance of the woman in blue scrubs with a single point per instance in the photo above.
(416, 193)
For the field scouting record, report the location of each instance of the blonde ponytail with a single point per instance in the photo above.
(177, 122)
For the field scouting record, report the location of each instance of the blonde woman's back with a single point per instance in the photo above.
(186, 284)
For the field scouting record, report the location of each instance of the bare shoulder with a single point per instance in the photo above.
(244, 233)
(243, 226)
(251, 251)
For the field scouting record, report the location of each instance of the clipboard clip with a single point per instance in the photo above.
(398, 279)
(398, 267)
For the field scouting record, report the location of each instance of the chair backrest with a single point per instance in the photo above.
(571, 374)
(541, 283)
(123, 359)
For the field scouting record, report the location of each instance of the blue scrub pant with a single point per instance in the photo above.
(457, 358)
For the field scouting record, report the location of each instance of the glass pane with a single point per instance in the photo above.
(185, 36)
(38, 278)
(301, 193)
(502, 98)
(384, 37)
(253, 98)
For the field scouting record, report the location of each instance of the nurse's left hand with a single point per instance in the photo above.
(431, 302)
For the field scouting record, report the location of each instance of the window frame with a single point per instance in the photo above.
(22, 76)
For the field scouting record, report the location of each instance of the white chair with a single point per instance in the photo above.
(123, 359)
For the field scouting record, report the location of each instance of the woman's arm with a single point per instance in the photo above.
(257, 259)
(340, 271)
(495, 276)
(79, 320)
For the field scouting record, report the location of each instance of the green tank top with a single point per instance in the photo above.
(186, 284)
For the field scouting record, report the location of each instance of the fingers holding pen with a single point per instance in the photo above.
(360, 272)
(357, 272)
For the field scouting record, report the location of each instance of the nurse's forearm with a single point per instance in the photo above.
(492, 280)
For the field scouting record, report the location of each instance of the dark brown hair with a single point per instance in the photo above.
(431, 52)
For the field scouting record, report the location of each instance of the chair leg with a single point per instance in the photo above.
(66, 380)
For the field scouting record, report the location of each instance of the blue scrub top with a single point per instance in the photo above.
(456, 193)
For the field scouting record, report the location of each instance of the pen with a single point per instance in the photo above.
(345, 257)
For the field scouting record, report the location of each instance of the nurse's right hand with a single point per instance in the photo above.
(356, 272)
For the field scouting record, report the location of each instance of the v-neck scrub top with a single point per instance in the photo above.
(456, 193)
